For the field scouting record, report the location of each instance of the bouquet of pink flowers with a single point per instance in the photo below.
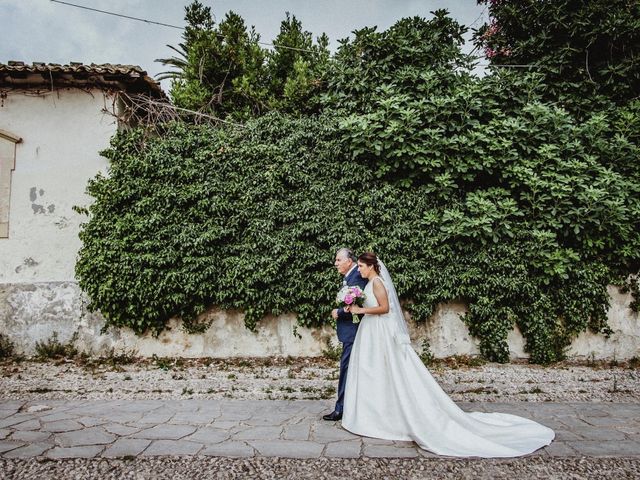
(349, 296)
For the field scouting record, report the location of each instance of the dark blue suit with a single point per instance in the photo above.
(347, 334)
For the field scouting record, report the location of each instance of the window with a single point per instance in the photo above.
(7, 164)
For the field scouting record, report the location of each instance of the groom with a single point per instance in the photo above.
(346, 265)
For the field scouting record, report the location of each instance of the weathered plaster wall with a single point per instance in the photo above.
(62, 133)
(31, 312)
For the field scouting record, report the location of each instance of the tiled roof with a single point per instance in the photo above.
(38, 75)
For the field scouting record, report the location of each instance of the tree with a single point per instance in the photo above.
(219, 67)
(223, 70)
(587, 51)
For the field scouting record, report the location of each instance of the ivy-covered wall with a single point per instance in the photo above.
(250, 219)
(516, 193)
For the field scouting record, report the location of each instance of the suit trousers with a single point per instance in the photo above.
(344, 366)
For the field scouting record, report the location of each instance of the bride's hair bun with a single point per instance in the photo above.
(370, 258)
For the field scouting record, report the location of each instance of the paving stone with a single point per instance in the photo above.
(62, 426)
(191, 418)
(376, 441)
(560, 449)
(315, 408)
(166, 432)
(389, 451)
(566, 436)
(607, 449)
(28, 425)
(87, 436)
(234, 416)
(30, 436)
(156, 417)
(7, 413)
(172, 447)
(38, 408)
(12, 404)
(91, 421)
(328, 433)
(7, 445)
(15, 419)
(126, 446)
(85, 451)
(297, 432)
(259, 433)
(344, 449)
(208, 435)
(4, 434)
(571, 422)
(272, 419)
(31, 450)
(287, 448)
(123, 417)
(229, 449)
(225, 425)
(607, 421)
(601, 434)
(119, 429)
(57, 416)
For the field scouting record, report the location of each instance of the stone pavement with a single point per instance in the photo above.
(294, 429)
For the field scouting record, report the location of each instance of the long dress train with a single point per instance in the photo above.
(390, 394)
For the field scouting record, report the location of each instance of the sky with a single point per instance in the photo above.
(44, 31)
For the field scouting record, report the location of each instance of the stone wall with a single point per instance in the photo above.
(33, 312)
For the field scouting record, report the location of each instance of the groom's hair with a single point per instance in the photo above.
(348, 253)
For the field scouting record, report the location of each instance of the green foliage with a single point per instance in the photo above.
(473, 190)
(588, 52)
(52, 348)
(426, 355)
(223, 69)
(332, 352)
(7, 347)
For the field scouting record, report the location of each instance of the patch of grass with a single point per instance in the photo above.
(533, 390)
(634, 362)
(125, 357)
(479, 390)
(7, 347)
(332, 352)
(458, 361)
(163, 363)
(426, 355)
(52, 348)
(187, 391)
(328, 392)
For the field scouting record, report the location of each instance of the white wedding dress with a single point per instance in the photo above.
(390, 394)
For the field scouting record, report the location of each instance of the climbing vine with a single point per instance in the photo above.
(479, 190)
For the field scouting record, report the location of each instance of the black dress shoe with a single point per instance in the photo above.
(333, 417)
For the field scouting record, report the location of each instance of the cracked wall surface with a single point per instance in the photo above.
(32, 312)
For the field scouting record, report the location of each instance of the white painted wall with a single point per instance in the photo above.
(61, 133)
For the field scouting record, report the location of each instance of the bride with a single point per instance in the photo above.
(390, 394)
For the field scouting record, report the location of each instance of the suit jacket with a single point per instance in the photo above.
(345, 327)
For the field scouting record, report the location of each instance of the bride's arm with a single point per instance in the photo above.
(383, 301)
